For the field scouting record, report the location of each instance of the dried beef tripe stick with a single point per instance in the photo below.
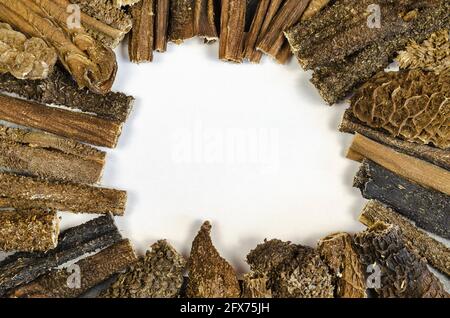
(60, 89)
(162, 9)
(22, 268)
(436, 253)
(28, 230)
(429, 209)
(339, 254)
(181, 22)
(91, 64)
(28, 192)
(159, 275)
(93, 270)
(210, 275)
(232, 29)
(399, 272)
(205, 20)
(48, 156)
(141, 40)
(70, 124)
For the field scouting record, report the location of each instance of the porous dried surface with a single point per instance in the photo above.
(255, 286)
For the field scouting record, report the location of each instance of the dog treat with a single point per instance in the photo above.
(158, 275)
(429, 209)
(338, 252)
(401, 272)
(121, 3)
(210, 276)
(92, 271)
(205, 20)
(76, 125)
(28, 231)
(24, 58)
(431, 154)
(48, 156)
(27, 192)
(232, 29)
(22, 268)
(432, 55)
(413, 105)
(140, 43)
(314, 7)
(255, 286)
(181, 22)
(436, 253)
(162, 9)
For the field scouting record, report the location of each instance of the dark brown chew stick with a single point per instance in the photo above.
(232, 28)
(162, 10)
(181, 22)
(140, 43)
(204, 20)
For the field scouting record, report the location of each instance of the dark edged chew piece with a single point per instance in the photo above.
(181, 21)
(23, 268)
(27, 193)
(70, 124)
(48, 156)
(28, 230)
(80, 277)
(141, 40)
(210, 275)
(436, 253)
(205, 21)
(396, 271)
(162, 9)
(232, 30)
(339, 254)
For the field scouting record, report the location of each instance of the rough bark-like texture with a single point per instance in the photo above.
(255, 286)
(141, 40)
(412, 105)
(401, 272)
(28, 231)
(232, 29)
(429, 209)
(121, 3)
(22, 268)
(205, 20)
(60, 89)
(436, 253)
(158, 275)
(162, 10)
(92, 271)
(210, 276)
(181, 22)
(27, 192)
(339, 254)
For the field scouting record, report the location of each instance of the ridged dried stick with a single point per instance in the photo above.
(27, 192)
(161, 24)
(232, 28)
(436, 253)
(181, 22)
(141, 40)
(205, 21)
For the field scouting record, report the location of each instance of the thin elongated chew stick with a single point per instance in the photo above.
(62, 122)
(406, 166)
(232, 28)
(436, 253)
(162, 10)
(27, 192)
(92, 271)
(140, 43)
(28, 231)
(254, 32)
(181, 22)
(204, 20)
(289, 14)
(284, 54)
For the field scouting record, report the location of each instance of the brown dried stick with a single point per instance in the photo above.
(161, 24)
(204, 20)
(140, 43)
(232, 27)
(181, 22)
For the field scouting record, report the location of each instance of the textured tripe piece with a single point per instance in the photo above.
(157, 275)
(232, 30)
(181, 22)
(255, 285)
(141, 40)
(401, 272)
(210, 276)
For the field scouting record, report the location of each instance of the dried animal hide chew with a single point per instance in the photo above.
(338, 252)
(26, 192)
(210, 276)
(232, 28)
(433, 155)
(432, 55)
(402, 273)
(158, 275)
(255, 286)
(90, 63)
(24, 58)
(413, 105)
(422, 172)
(48, 156)
(436, 253)
(93, 270)
(429, 209)
(60, 89)
(181, 23)
(205, 21)
(314, 7)
(28, 231)
(140, 43)
(62, 122)
(162, 10)
(22, 268)
(289, 14)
